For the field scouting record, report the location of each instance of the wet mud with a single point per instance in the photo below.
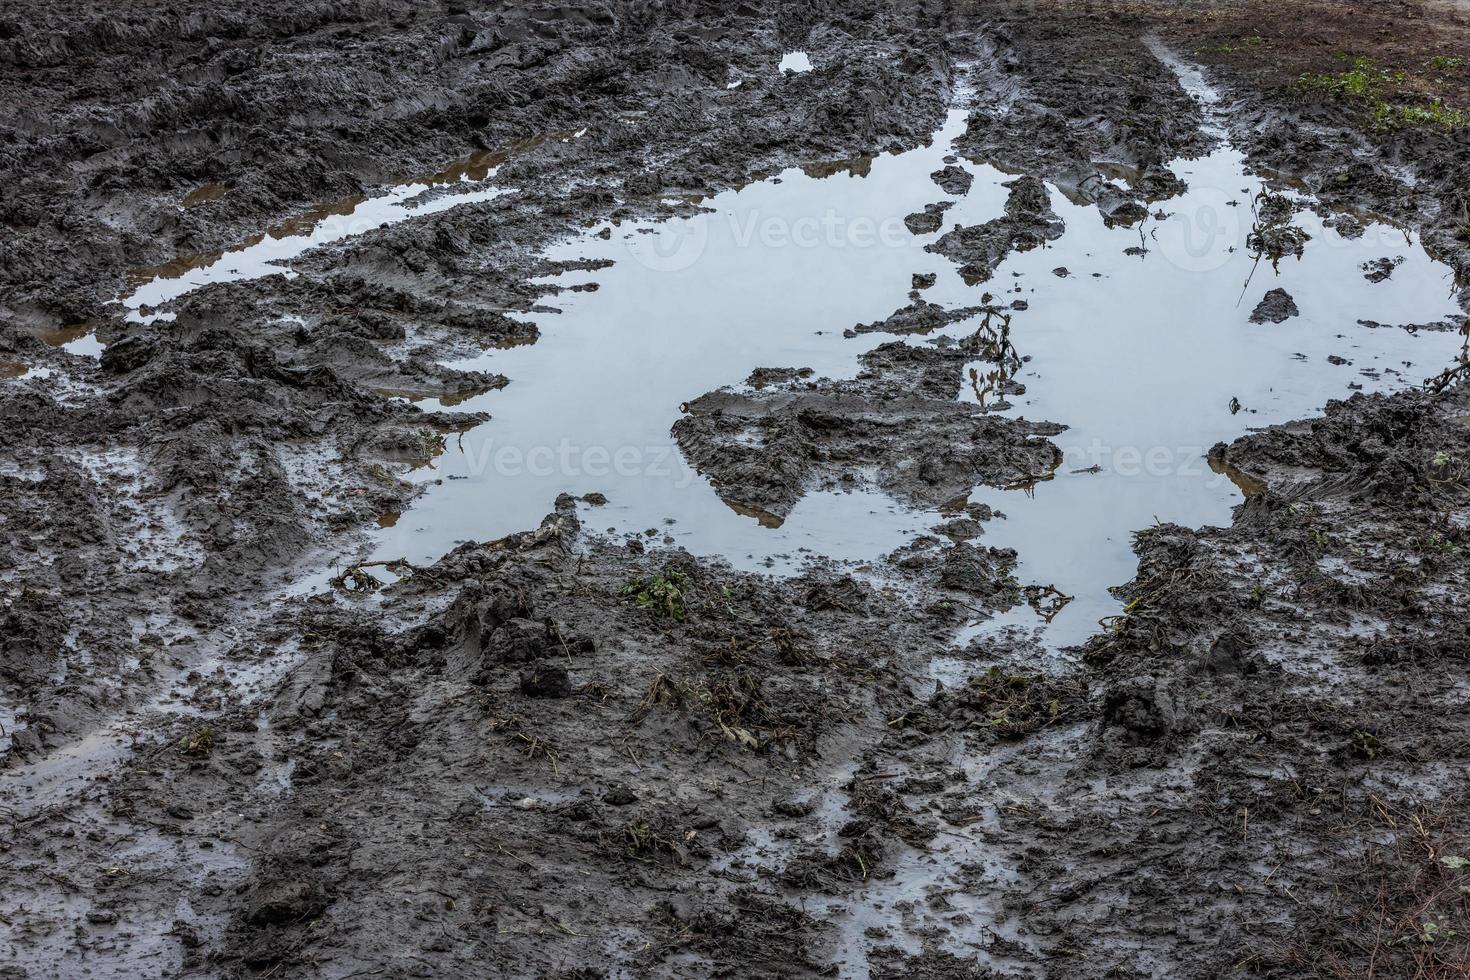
(897, 425)
(289, 688)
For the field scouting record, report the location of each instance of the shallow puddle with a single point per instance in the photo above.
(1143, 347)
(203, 194)
(1150, 360)
(795, 61)
(75, 338)
(1136, 337)
(264, 254)
(768, 275)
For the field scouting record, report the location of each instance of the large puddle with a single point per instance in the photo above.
(1143, 348)
(1136, 337)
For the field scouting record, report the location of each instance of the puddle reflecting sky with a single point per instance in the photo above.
(269, 253)
(1143, 361)
(769, 276)
(1140, 354)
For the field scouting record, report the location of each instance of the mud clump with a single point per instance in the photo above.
(762, 377)
(1276, 306)
(1028, 222)
(929, 220)
(897, 419)
(953, 180)
(1380, 269)
(919, 317)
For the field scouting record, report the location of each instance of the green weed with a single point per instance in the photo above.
(663, 593)
(1366, 81)
(1387, 115)
(1442, 545)
(1366, 744)
(198, 743)
(1226, 47)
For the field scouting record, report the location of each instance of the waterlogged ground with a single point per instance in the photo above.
(769, 275)
(886, 492)
(1150, 360)
(271, 252)
(1136, 337)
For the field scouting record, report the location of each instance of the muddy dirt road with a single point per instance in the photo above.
(776, 489)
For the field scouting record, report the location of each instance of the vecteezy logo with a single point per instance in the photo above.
(672, 245)
(1203, 229)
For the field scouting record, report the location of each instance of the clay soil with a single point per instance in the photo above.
(567, 754)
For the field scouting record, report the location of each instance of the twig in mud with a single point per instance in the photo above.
(632, 756)
(537, 747)
(356, 578)
(1047, 601)
(1456, 372)
(1247, 284)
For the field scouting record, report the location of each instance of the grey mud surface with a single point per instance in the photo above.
(560, 755)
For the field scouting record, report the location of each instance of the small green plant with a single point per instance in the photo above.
(1225, 47)
(1366, 744)
(1365, 82)
(1443, 545)
(198, 743)
(1445, 64)
(1365, 78)
(664, 593)
(639, 838)
(1387, 115)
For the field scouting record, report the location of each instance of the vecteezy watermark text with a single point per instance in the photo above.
(675, 245)
(575, 461)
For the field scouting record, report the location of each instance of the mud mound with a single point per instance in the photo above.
(1027, 223)
(896, 426)
(1276, 306)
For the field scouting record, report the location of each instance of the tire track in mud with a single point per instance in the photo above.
(451, 681)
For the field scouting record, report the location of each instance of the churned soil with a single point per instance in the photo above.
(557, 754)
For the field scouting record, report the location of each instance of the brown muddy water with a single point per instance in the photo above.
(1137, 338)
